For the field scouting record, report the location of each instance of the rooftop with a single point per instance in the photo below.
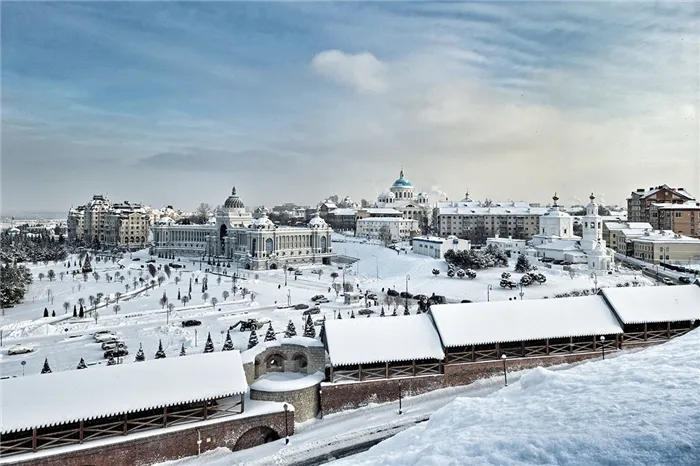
(460, 210)
(655, 303)
(384, 219)
(388, 339)
(522, 320)
(60, 397)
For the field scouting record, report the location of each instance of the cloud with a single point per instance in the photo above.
(361, 72)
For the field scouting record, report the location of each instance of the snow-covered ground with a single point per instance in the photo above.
(141, 319)
(639, 408)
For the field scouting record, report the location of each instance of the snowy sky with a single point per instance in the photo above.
(296, 101)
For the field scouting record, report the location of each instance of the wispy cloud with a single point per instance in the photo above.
(512, 100)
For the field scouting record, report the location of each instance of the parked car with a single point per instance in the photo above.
(312, 311)
(567, 263)
(547, 259)
(406, 294)
(322, 301)
(685, 280)
(558, 262)
(437, 299)
(19, 349)
(191, 323)
(420, 297)
(297, 272)
(317, 297)
(371, 296)
(465, 301)
(365, 312)
(103, 337)
(667, 281)
(392, 292)
(116, 353)
(136, 259)
(299, 307)
(108, 345)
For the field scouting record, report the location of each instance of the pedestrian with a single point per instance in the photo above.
(279, 287)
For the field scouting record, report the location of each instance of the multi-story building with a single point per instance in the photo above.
(666, 246)
(344, 219)
(617, 231)
(680, 218)
(102, 223)
(255, 243)
(478, 221)
(436, 247)
(640, 201)
(399, 228)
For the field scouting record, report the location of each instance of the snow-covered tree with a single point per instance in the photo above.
(228, 344)
(291, 330)
(381, 314)
(81, 364)
(436, 272)
(352, 314)
(406, 312)
(46, 312)
(46, 369)
(75, 311)
(270, 335)
(51, 274)
(160, 354)
(309, 329)
(523, 264)
(182, 350)
(340, 315)
(209, 345)
(140, 356)
(253, 340)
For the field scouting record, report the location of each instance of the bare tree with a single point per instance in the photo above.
(118, 295)
(205, 297)
(116, 308)
(225, 294)
(41, 276)
(66, 305)
(385, 235)
(185, 299)
(201, 214)
(171, 307)
(214, 301)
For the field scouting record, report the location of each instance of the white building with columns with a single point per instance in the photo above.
(254, 243)
(556, 240)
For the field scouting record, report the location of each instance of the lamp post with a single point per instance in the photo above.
(505, 375)
(195, 338)
(602, 345)
(408, 278)
(24, 363)
(522, 293)
(594, 276)
(400, 410)
(286, 424)
(377, 259)
(289, 297)
(285, 274)
(489, 287)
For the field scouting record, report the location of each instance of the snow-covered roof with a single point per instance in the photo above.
(382, 211)
(340, 212)
(655, 303)
(615, 226)
(385, 219)
(286, 381)
(560, 245)
(639, 226)
(666, 236)
(388, 339)
(248, 356)
(522, 320)
(459, 210)
(48, 399)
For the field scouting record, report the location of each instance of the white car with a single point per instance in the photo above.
(103, 337)
(19, 349)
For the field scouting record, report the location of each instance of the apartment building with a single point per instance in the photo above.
(399, 228)
(680, 218)
(640, 201)
(666, 246)
(477, 220)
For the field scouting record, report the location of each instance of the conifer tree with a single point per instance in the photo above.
(340, 315)
(228, 344)
(352, 314)
(160, 354)
(381, 314)
(46, 312)
(75, 311)
(322, 332)
(53, 313)
(291, 330)
(178, 295)
(309, 329)
(253, 340)
(406, 312)
(182, 350)
(81, 313)
(46, 369)
(394, 313)
(81, 364)
(111, 361)
(209, 345)
(140, 357)
(270, 335)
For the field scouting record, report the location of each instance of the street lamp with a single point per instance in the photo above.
(285, 274)
(377, 259)
(602, 345)
(408, 278)
(289, 297)
(400, 410)
(505, 375)
(286, 424)
(24, 363)
(488, 292)
(594, 276)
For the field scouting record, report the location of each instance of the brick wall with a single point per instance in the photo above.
(315, 360)
(234, 433)
(305, 401)
(348, 395)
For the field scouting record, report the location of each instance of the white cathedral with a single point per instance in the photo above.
(401, 196)
(556, 238)
(256, 243)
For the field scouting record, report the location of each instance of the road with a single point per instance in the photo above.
(653, 271)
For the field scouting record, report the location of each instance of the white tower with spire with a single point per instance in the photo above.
(592, 227)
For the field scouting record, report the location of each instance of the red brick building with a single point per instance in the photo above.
(640, 201)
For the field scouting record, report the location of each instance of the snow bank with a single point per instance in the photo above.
(639, 408)
(505, 321)
(60, 397)
(286, 381)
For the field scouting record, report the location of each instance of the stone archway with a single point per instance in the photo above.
(256, 436)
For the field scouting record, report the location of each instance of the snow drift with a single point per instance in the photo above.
(639, 408)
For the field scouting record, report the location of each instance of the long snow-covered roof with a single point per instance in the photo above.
(60, 397)
(497, 210)
(388, 339)
(655, 303)
(522, 320)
